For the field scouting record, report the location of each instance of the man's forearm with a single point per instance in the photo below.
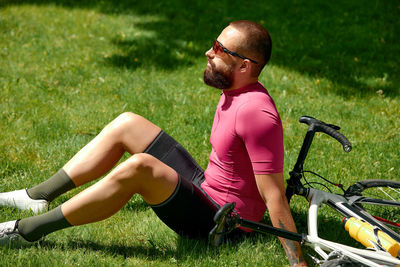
(281, 217)
(292, 248)
(272, 190)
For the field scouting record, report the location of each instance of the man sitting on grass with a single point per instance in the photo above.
(245, 165)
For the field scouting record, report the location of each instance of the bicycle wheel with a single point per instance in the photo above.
(381, 200)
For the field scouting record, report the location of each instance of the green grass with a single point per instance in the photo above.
(69, 67)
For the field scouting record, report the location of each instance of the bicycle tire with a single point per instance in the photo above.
(382, 200)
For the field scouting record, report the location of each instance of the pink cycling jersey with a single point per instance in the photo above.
(246, 139)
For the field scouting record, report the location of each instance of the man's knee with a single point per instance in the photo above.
(126, 119)
(141, 162)
(144, 174)
(135, 168)
(129, 117)
(123, 122)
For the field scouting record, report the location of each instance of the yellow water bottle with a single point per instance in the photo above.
(363, 232)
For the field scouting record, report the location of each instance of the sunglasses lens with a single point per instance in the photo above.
(217, 48)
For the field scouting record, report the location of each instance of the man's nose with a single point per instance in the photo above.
(210, 53)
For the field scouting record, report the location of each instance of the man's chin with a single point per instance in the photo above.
(216, 80)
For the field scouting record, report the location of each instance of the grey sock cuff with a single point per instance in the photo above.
(36, 227)
(57, 185)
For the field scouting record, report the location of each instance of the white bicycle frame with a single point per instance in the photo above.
(321, 246)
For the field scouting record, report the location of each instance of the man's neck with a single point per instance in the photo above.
(241, 84)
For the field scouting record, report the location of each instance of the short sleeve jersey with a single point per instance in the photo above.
(246, 139)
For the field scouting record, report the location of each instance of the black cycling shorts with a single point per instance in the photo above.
(189, 211)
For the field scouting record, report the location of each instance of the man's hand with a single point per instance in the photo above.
(272, 190)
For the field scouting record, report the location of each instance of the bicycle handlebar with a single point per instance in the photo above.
(293, 184)
(330, 129)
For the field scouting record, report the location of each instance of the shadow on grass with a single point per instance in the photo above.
(353, 44)
(193, 250)
(148, 249)
(200, 249)
(145, 251)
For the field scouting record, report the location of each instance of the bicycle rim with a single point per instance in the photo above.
(382, 201)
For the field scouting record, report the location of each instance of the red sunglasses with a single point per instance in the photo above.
(218, 47)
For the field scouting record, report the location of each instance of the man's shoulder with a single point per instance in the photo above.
(257, 93)
(257, 100)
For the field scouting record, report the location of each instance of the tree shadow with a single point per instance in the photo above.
(353, 44)
(137, 251)
(145, 248)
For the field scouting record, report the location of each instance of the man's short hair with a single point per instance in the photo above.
(257, 43)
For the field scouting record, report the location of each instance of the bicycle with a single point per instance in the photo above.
(356, 203)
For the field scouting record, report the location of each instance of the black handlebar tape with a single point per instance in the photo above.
(308, 120)
(335, 134)
(314, 126)
(331, 130)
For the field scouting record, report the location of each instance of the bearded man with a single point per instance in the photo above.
(245, 164)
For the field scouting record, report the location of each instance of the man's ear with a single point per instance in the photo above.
(245, 66)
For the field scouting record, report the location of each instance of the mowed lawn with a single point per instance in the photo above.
(67, 68)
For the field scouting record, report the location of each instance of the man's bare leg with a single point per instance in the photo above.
(142, 174)
(127, 133)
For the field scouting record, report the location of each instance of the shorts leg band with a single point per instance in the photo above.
(188, 211)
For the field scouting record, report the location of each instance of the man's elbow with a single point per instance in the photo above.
(276, 199)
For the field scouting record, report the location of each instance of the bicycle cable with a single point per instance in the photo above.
(321, 184)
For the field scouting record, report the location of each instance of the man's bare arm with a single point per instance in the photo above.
(272, 190)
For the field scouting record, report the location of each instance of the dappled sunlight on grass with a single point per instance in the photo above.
(344, 42)
(69, 67)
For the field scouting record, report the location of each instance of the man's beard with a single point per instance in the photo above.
(218, 78)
